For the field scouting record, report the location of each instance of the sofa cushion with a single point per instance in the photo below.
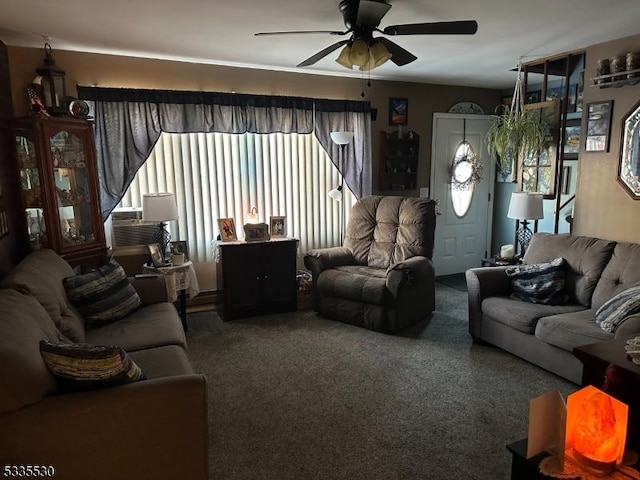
(570, 330)
(102, 295)
(358, 283)
(615, 310)
(83, 366)
(622, 272)
(162, 361)
(40, 274)
(522, 316)
(585, 258)
(539, 282)
(150, 326)
(24, 376)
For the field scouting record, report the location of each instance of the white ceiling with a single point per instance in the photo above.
(211, 31)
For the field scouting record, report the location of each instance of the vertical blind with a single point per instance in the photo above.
(221, 175)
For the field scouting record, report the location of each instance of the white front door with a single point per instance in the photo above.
(462, 239)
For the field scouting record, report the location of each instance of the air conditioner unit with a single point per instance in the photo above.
(130, 232)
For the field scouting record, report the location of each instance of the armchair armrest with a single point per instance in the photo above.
(325, 258)
(415, 269)
(151, 289)
(154, 428)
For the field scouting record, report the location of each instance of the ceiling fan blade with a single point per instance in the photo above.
(322, 53)
(399, 55)
(299, 32)
(370, 12)
(460, 27)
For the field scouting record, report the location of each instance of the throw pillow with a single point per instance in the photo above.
(81, 366)
(103, 295)
(539, 283)
(616, 309)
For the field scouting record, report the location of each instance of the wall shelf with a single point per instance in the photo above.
(615, 80)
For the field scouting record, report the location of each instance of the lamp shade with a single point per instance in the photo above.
(378, 55)
(335, 193)
(343, 58)
(359, 54)
(525, 206)
(341, 138)
(159, 207)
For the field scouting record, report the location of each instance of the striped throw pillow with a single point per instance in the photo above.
(81, 366)
(616, 309)
(539, 282)
(103, 295)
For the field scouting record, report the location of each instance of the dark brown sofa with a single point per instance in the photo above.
(382, 278)
(152, 429)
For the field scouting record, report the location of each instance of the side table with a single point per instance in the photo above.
(179, 280)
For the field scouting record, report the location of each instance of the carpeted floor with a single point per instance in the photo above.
(457, 281)
(298, 397)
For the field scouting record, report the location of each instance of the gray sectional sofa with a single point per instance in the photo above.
(596, 270)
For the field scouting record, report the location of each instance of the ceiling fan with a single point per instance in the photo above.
(362, 49)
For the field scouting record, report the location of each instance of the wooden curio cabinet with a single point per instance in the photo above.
(60, 194)
(399, 161)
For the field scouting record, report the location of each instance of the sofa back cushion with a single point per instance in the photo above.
(384, 230)
(40, 274)
(24, 376)
(585, 259)
(621, 273)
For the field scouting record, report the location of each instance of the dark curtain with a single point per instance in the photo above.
(129, 122)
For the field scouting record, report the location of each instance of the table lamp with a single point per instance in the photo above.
(525, 206)
(161, 208)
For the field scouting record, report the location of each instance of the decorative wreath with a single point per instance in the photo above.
(465, 171)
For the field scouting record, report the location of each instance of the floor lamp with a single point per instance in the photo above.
(342, 139)
(161, 208)
(525, 206)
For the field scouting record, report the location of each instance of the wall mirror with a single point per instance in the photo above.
(629, 166)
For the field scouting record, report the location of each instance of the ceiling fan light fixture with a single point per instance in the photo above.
(379, 54)
(343, 58)
(359, 54)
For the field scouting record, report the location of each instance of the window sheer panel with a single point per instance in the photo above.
(219, 175)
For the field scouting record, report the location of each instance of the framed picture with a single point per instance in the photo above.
(398, 111)
(179, 246)
(227, 230)
(571, 140)
(157, 258)
(278, 227)
(256, 232)
(598, 126)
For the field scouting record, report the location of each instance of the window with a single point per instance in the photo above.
(221, 175)
(463, 174)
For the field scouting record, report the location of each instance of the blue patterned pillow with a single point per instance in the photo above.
(103, 295)
(539, 283)
(616, 309)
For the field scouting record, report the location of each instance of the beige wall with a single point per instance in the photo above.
(117, 71)
(603, 208)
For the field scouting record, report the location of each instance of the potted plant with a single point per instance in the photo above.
(514, 132)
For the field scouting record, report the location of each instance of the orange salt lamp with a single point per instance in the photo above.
(596, 429)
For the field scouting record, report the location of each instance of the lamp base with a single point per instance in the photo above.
(162, 238)
(524, 235)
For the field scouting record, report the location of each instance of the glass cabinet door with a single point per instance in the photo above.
(72, 189)
(31, 190)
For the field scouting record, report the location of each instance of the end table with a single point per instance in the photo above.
(179, 280)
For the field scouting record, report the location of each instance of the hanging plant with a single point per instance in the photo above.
(514, 132)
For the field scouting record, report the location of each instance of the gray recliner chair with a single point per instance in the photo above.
(382, 278)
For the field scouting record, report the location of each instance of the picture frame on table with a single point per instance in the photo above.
(180, 246)
(227, 230)
(157, 257)
(256, 232)
(277, 227)
(598, 129)
(398, 111)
